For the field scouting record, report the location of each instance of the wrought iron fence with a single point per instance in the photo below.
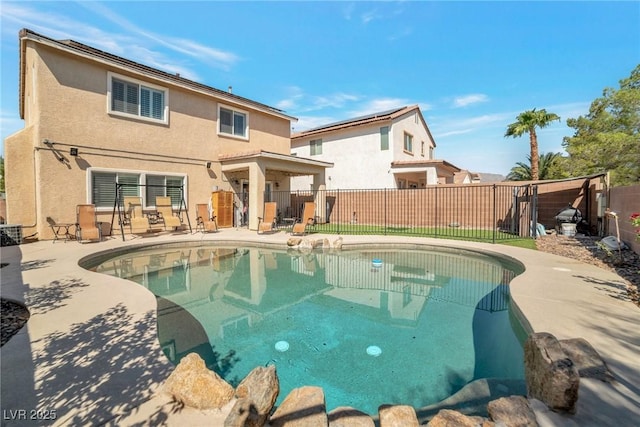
(491, 212)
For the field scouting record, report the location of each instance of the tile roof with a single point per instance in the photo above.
(358, 121)
(80, 48)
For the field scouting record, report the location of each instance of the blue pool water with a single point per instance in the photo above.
(370, 327)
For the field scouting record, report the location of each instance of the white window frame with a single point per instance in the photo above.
(315, 147)
(384, 145)
(234, 110)
(140, 83)
(404, 143)
(142, 179)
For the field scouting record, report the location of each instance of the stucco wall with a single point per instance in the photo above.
(359, 163)
(357, 158)
(66, 103)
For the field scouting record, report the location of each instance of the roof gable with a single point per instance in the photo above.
(92, 53)
(365, 120)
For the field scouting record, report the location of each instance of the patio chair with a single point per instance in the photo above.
(165, 213)
(87, 226)
(307, 219)
(205, 221)
(134, 216)
(268, 219)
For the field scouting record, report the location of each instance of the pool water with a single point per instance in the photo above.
(370, 327)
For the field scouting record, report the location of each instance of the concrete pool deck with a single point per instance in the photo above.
(89, 353)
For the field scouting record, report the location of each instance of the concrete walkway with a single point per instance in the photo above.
(89, 353)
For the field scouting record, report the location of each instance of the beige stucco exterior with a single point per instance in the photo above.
(64, 103)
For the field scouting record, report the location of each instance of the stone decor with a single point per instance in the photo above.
(192, 384)
(449, 418)
(398, 416)
(256, 395)
(346, 416)
(550, 374)
(303, 407)
(512, 411)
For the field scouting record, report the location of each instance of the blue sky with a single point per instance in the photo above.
(471, 66)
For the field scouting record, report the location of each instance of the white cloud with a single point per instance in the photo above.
(379, 105)
(474, 98)
(369, 16)
(133, 42)
(310, 122)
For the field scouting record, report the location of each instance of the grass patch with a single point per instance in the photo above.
(454, 233)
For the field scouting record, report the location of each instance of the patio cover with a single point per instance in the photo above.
(257, 163)
(432, 170)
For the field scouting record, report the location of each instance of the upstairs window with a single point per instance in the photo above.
(133, 98)
(233, 122)
(315, 147)
(408, 143)
(384, 138)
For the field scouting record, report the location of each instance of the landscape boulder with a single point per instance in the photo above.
(195, 386)
(303, 407)
(450, 418)
(551, 376)
(397, 416)
(346, 416)
(513, 411)
(587, 360)
(256, 394)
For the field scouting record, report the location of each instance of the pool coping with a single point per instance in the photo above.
(567, 298)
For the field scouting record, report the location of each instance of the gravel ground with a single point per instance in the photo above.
(625, 263)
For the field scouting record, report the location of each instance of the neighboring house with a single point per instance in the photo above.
(390, 149)
(93, 119)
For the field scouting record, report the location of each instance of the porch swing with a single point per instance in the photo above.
(118, 204)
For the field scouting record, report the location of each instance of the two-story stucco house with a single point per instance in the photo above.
(93, 119)
(390, 149)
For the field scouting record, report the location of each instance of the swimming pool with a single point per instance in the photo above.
(370, 326)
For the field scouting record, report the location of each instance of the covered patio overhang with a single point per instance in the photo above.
(256, 166)
(424, 172)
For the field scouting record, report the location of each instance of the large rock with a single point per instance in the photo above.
(450, 418)
(587, 360)
(294, 241)
(345, 416)
(551, 376)
(397, 416)
(513, 411)
(256, 394)
(192, 384)
(303, 407)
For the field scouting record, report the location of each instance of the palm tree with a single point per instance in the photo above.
(528, 121)
(522, 172)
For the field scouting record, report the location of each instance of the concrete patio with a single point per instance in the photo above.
(89, 353)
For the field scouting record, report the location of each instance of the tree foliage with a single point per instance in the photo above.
(551, 166)
(608, 137)
(527, 122)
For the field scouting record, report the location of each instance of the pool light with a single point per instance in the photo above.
(374, 350)
(282, 346)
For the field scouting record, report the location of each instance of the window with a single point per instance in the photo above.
(103, 187)
(315, 147)
(233, 122)
(408, 142)
(160, 185)
(133, 98)
(431, 153)
(384, 138)
(422, 148)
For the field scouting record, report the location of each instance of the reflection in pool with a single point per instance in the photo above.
(370, 327)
